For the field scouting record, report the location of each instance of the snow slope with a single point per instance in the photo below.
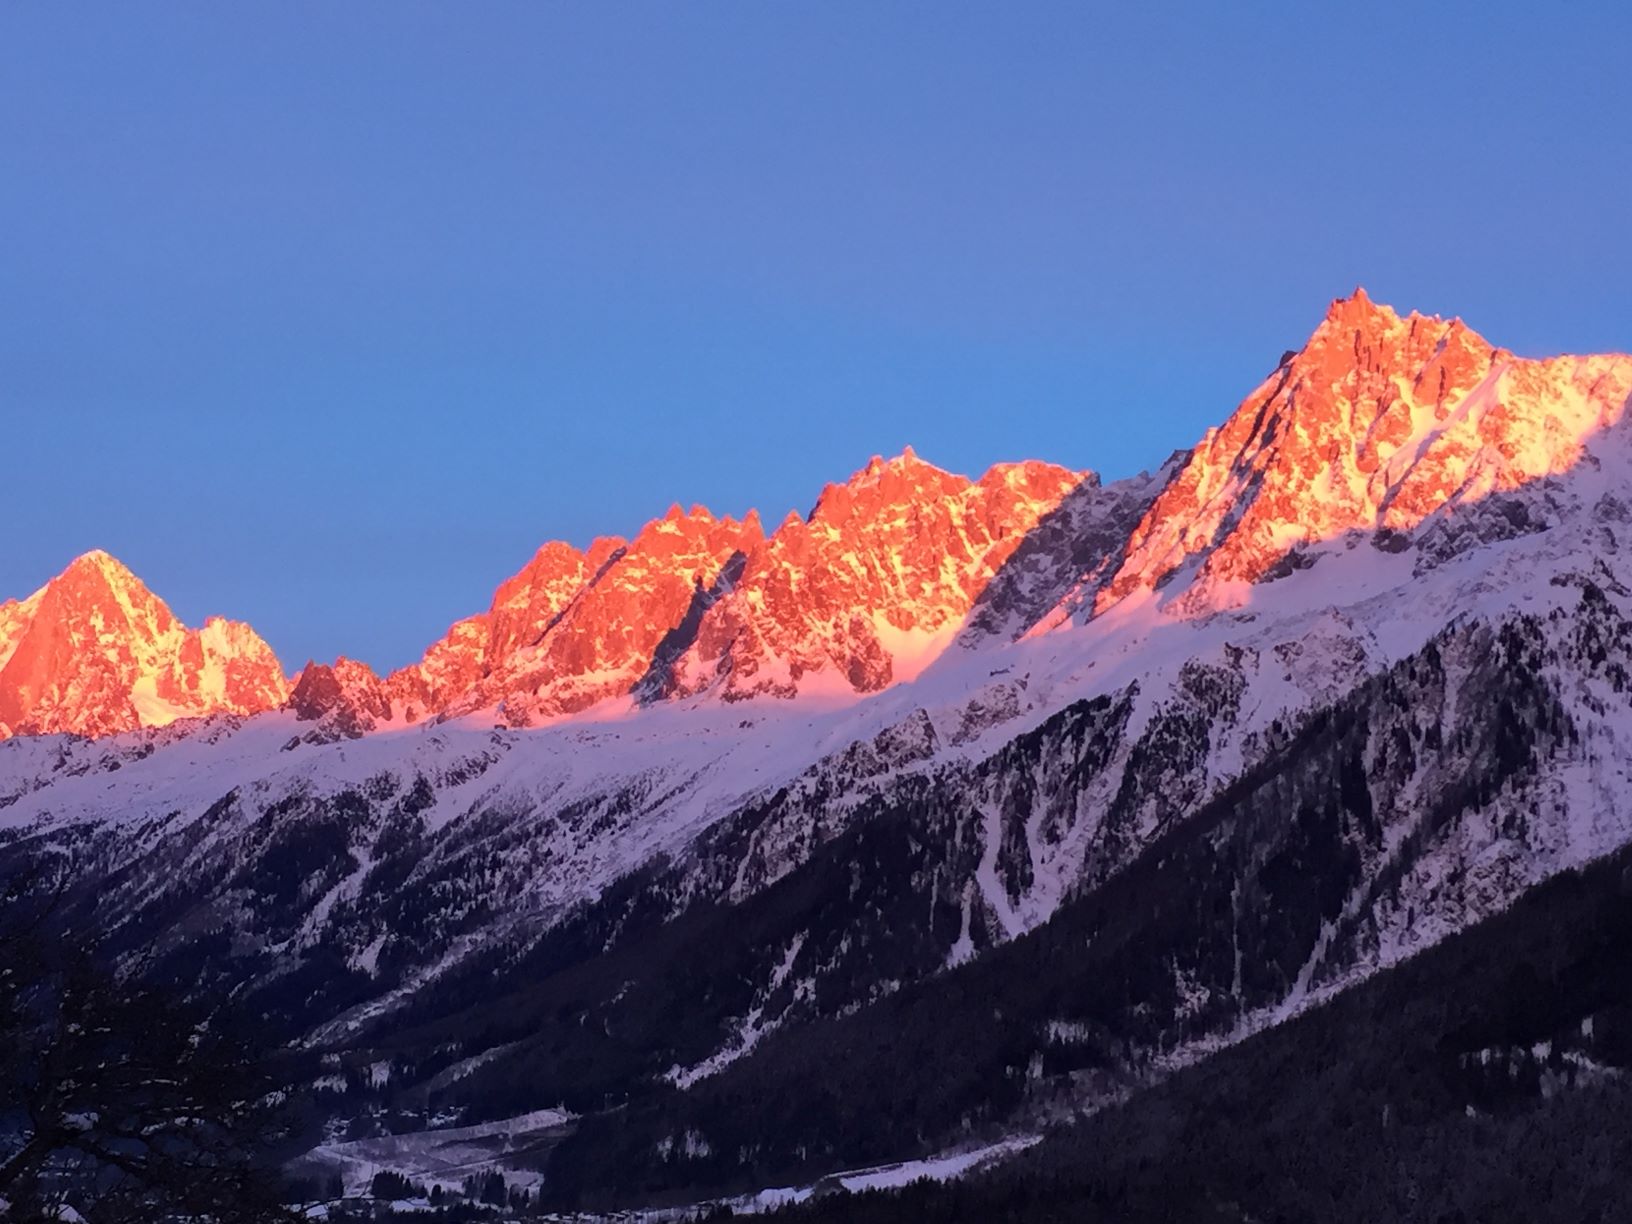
(1041, 675)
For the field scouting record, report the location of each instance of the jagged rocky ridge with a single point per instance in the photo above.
(1375, 426)
(1344, 679)
(94, 652)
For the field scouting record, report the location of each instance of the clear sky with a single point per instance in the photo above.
(324, 316)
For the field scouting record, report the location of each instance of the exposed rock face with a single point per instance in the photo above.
(1405, 434)
(524, 608)
(1065, 559)
(1376, 424)
(573, 629)
(854, 598)
(603, 644)
(347, 697)
(871, 586)
(95, 652)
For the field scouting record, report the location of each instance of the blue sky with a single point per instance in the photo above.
(324, 316)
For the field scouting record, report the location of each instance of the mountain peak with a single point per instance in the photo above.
(870, 588)
(99, 563)
(906, 461)
(903, 478)
(1375, 424)
(1358, 312)
(346, 692)
(862, 592)
(1357, 300)
(94, 651)
(1358, 315)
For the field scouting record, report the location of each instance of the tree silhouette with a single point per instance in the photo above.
(118, 1099)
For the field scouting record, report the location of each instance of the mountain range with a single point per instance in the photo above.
(919, 828)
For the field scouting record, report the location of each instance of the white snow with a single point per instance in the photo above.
(446, 1156)
(753, 1028)
(657, 777)
(943, 1167)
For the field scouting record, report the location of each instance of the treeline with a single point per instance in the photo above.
(1489, 1079)
(1214, 921)
(121, 1100)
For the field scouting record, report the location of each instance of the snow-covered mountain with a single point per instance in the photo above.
(1346, 677)
(1376, 425)
(867, 591)
(94, 652)
(861, 594)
